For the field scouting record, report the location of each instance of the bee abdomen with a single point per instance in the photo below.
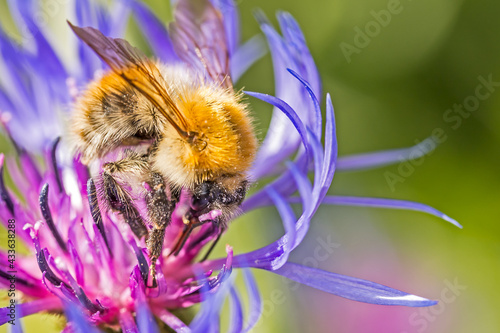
(112, 114)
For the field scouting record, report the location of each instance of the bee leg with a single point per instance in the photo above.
(119, 200)
(190, 223)
(220, 230)
(132, 164)
(116, 195)
(155, 245)
(160, 209)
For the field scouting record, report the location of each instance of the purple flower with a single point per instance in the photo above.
(86, 262)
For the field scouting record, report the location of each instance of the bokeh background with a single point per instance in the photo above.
(390, 90)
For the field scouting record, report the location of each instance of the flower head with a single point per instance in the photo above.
(84, 260)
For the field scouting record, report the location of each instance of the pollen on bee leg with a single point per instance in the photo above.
(155, 245)
(151, 282)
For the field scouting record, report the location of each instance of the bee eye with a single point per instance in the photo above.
(199, 202)
(205, 194)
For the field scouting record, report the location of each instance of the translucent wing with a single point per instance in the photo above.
(199, 39)
(137, 70)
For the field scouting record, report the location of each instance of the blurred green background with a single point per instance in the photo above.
(390, 89)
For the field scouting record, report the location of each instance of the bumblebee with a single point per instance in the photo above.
(179, 128)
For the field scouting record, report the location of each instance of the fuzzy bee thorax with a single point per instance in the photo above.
(224, 144)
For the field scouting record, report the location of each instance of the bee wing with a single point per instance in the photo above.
(135, 68)
(199, 38)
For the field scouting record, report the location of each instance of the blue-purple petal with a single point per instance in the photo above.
(281, 141)
(145, 320)
(385, 157)
(284, 184)
(208, 318)
(78, 320)
(269, 257)
(119, 14)
(45, 59)
(17, 327)
(236, 314)
(254, 301)
(15, 67)
(5, 103)
(317, 110)
(86, 16)
(293, 34)
(155, 32)
(331, 149)
(144, 317)
(29, 308)
(288, 219)
(304, 187)
(387, 203)
(246, 55)
(288, 112)
(309, 205)
(350, 287)
(231, 23)
(318, 158)
(127, 322)
(172, 321)
(83, 13)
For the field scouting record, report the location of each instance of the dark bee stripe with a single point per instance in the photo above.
(119, 102)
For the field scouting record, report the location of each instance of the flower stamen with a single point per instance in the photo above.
(53, 160)
(47, 216)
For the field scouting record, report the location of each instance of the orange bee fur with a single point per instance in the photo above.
(111, 113)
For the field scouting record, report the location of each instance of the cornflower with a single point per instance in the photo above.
(85, 262)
